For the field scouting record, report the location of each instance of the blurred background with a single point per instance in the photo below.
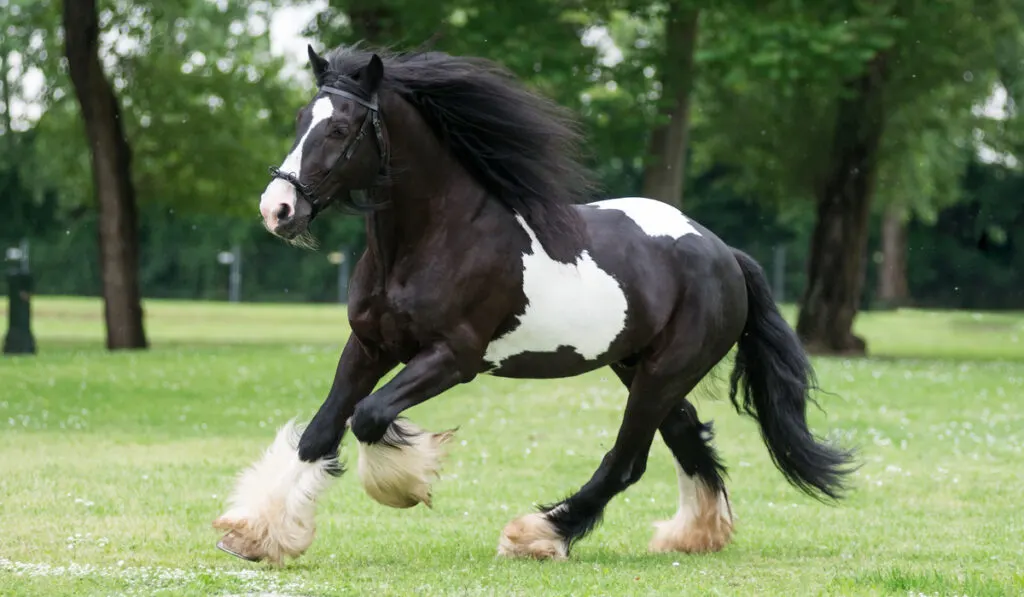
(864, 152)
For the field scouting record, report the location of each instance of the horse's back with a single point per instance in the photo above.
(635, 235)
(656, 219)
(656, 253)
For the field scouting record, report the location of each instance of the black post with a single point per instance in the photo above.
(19, 339)
(235, 275)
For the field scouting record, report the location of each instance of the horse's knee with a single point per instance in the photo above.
(318, 442)
(636, 469)
(625, 473)
(370, 422)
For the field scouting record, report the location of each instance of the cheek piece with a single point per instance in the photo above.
(359, 203)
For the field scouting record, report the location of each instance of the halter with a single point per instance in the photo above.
(311, 194)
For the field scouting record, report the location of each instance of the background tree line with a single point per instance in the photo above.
(859, 135)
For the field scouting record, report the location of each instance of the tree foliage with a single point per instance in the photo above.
(206, 109)
(202, 99)
(773, 79)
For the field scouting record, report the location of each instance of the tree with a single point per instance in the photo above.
(538, 40)
(820, 103)
(665, 167)
(835, 273)
(204, 104)
(188, 105)
(932, 45)
(21, 190)
(893, 289)
(112, 179)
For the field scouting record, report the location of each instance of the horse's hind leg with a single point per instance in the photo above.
(550, 532)
(683, 355)
(704, 519)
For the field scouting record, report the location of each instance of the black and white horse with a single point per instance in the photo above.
(483, 258)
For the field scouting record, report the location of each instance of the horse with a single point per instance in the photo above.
(487, 255)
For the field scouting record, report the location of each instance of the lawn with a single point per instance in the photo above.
(112, 467)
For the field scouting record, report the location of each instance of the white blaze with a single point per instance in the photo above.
(281, 192)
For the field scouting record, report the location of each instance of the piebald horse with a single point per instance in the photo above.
(484, 257)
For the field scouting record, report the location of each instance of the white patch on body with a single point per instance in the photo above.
(703, 522)
(568, 304)
(281, 192)
(399, 476)
(272, 510)
(655, 218)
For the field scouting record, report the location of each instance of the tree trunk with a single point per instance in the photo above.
(666, 152)
(835, 276)
(5, 93)
(111, 168)
(893, 290)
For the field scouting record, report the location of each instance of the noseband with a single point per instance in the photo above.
(311, 193)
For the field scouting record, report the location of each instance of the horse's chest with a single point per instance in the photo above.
(376, 320)
(578, 308)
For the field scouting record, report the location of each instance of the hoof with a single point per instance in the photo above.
(532, 536)
(237, 545)
(257, 539)
(272, 510)
(704, 527)
(398, 470)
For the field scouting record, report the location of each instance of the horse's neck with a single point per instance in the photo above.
(432, 194)
(430, 190)
(419, 207)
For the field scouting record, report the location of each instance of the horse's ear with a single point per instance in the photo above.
(320, 65)
(373, 74)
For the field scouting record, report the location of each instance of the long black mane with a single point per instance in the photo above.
(523, 148)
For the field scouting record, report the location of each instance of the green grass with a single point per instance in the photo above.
(113, 465)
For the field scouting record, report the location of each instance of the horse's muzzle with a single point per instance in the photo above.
(289, 228)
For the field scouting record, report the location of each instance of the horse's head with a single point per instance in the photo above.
(339, 147)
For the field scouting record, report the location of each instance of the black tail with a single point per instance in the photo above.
(777, 377)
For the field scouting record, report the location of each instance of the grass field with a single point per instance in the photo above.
(113, 465)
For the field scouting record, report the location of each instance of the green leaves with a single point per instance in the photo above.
(201, 96)
(771, 79)
(206, 107)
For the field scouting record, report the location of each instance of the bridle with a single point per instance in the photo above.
(311, 193)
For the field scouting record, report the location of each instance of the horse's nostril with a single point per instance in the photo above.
(284, 211)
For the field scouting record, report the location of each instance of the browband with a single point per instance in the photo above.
(371, 104)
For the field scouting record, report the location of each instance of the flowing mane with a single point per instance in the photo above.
(520, 146)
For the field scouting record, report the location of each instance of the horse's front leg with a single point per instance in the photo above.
(272, 510)
(397, 460)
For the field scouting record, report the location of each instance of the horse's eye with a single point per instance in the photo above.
(337, 127)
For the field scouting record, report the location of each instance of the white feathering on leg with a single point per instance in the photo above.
(703, 522)
(398, 474)
(272, 510)
(533, 536)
